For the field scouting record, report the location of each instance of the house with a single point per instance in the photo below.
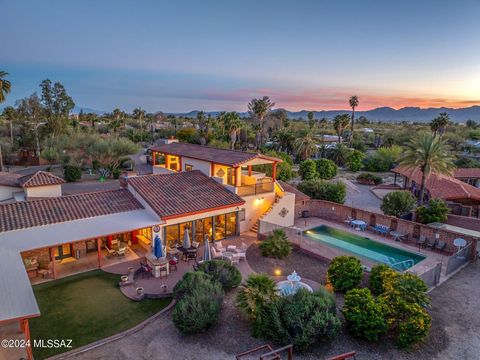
(461, 197)
(210, 192)
(468, 175)
(17, 187)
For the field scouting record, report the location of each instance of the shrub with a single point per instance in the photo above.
(364, 314)
(414, 328)
(369, 179)
(398, 203)
(408, 288)
(383, 159)
(259, 291)
(326, 169)
(284, 169)
(190, 281)
(302, 319)
(323, 190)
(381, 278)
(436, 211)
(223, 272)
(276, 245)
(345, 273)
(354, 160)
(72, 173)
(308, 170)
(198, 310)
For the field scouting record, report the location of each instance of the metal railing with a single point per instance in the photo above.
(255, 189)
(458, 259)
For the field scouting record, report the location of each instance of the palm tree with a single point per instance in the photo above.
(428, 153)
(232, 123)
(353, 101)
(305, 146)
(311, 119)
(139, 113)
(10, 113)
(340, 122)
(260, 108)
(5, 86)
(439, 124)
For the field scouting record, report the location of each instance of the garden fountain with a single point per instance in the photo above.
(292, 285)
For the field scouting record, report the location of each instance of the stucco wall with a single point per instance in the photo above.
(6, 192)
(255, 206)
(203, 166)
(44, 191)
(283, 211)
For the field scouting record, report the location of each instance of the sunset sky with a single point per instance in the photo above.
(177, 56)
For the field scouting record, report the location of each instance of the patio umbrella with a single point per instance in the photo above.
(206, 254)
(186, 239)
(158, 248)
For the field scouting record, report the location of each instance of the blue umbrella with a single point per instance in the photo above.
(206, 254)
(186, 239)
(158, 248)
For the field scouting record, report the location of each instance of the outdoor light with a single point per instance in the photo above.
(278, 272)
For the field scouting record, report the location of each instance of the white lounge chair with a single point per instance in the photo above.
(215, 254)
(219, 246)
(122, 251)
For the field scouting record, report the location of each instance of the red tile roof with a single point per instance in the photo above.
(219, 156)
(40, 178)
(9, 179)
(183, 193)
(467, 173)
(299, 196)
(441, 186)
(47, 211)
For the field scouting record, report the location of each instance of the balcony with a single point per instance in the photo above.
(265, 186)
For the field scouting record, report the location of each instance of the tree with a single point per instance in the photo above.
(260, 108)
(5, 86)
(259, 291)
(436, 211)
(439, 124)
(398, 203)
(340, 122)
(308, 169)
(354, 160)
(139, 113)
(353, 101)
(10, 114)
(57, 105)
(471, 124)
(428, 153)
(232, 123)
(30, 113)
(323, 190)
(326, 169)
(311, 119)
(305, 146)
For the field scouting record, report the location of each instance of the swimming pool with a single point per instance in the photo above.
(398, 259)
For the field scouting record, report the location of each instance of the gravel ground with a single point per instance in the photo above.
(454, 333)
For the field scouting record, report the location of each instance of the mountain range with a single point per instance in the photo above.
(384, 114)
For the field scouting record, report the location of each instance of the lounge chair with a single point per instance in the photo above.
(110, 252)
(441, 246)
(381, 229)
(219, 246)
(215, 253)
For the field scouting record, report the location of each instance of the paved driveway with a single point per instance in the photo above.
(360, 196)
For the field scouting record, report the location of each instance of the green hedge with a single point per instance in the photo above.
(223, 272)
(344, 273)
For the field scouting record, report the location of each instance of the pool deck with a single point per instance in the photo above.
(431, 260)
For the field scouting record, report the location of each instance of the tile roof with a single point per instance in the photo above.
(173, 195)
(441, 186)
(467, 173)
(220, 156)
(40, 178)
(299, 196)
(54, 210)
(9, 179)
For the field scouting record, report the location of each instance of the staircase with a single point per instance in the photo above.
(254, 228)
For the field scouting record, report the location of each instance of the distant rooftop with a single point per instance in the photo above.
(39, 178)
(219, 156)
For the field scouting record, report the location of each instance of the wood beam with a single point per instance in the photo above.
(99, 252)
(274, 171)
(52, 259)
(238, 176)
(212, 169)
(249, 170)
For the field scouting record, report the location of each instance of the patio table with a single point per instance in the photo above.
(359, 224)
(398, 236)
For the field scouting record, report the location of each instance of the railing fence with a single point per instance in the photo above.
(458, 259)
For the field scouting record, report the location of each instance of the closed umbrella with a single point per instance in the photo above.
(158, 248)
(186, 239)
(206, 254)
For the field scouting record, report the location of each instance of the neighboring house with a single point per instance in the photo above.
(55, 235)
(462, 198)
(17, 187)
(468, 175)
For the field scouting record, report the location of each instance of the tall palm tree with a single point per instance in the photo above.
(232, 123)
(439, 124)
(260, 108)
(5, 86)
(305, 146)
(139, 113)
(428, 153)
(340, 122)
(353, 101)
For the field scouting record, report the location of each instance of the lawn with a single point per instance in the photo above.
(85, 308)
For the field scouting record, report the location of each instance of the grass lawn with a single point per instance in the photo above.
(85, 308)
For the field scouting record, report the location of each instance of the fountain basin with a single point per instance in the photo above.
(287, 287)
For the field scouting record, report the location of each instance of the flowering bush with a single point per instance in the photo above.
(345, 273)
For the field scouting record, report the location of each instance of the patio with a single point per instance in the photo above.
(155, 287)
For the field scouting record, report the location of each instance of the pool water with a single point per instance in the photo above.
(398, 259)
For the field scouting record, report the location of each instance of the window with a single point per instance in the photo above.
(220, 227)
(241, 215)
(188, 167)
(172, 235)
(231, 224)
(231, 176)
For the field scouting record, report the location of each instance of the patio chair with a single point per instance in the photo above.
(215, 254)
(242, 255)
(234, 259)
(195, 244)
(219, 246)
(122, 251)
(441, 246)
(431, 243)
(422, 241)
(146, 270)
(163, 270)
(191, 256)
(173, 264)
(348, 221)
(110, 252)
